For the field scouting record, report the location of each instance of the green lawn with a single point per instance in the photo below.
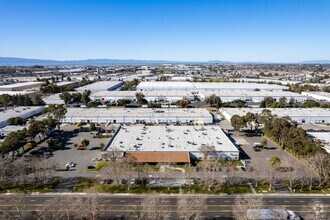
(84, 184)
(30, 188)
(99, 165)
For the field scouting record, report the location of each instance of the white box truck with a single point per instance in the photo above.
(271, 214)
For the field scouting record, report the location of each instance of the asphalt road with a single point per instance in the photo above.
(218, 207)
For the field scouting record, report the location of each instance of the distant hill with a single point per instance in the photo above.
(14, 61)
(317, 62)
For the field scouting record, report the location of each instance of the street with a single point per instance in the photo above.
(217, 206)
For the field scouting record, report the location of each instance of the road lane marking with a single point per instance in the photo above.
(286, 201)
(271, 201)
(301, 201)
(227, 201)
(212, 201)
(32, 200)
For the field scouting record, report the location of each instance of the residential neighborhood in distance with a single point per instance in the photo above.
(157, 110)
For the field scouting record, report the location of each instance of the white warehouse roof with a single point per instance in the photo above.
(253, 95)
(205, 86)
(20, 86)
(149, 95)
(322, 96)
(22, 112)
(101, 86)
(136, 115)
(173, 138)
(324, 137)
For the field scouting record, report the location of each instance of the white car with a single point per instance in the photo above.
(96, 159)
(70, 164)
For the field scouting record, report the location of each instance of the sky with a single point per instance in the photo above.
(177, 30)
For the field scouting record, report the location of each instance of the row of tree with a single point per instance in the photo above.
(270, 102)
(20, 100)
(16, 140)
(76, 98)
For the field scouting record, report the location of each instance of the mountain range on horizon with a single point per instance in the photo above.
(15, 61)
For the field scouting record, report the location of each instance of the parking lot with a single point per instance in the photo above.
(260, 159)
(69, 153)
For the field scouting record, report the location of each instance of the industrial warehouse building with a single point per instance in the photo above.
(300, 115)
(101, 86)
(21, 86)
(137, 115)
(321, 96)
(253, 96)
(207, 86)
(22, 112)
(172, 143)
(169, 96)
(324, 137)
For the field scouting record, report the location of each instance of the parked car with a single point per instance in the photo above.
(70, 164)
(96, 159)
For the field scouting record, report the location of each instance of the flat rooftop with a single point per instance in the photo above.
(324, 137)
(171, 138)
(65, 83)
(137, 112)
(23, 112)
(23, 84)
(281, 112)
(157, 93)
(25, 92)
(198, 86)
(251, 94)
(324, 94)
(101, 85)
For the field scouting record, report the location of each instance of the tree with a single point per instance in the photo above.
(209, 152)
(58, 112)
(92, 126)
(191, 208)
(238, 122)
(139, 97)
(113, 171)
(183, 103)
(321, 163)
(266, 102)
(152, 207)
(35, 128)
(85, 143)
(209, 172)
(16, 121)
(243, 204)
(214, 101)
(66, 97)
(16, 209)
(250, 118)
(316, 209)
(4, 100)
(275, 161)
(113, 154)
(85, 97)
(283, 100)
